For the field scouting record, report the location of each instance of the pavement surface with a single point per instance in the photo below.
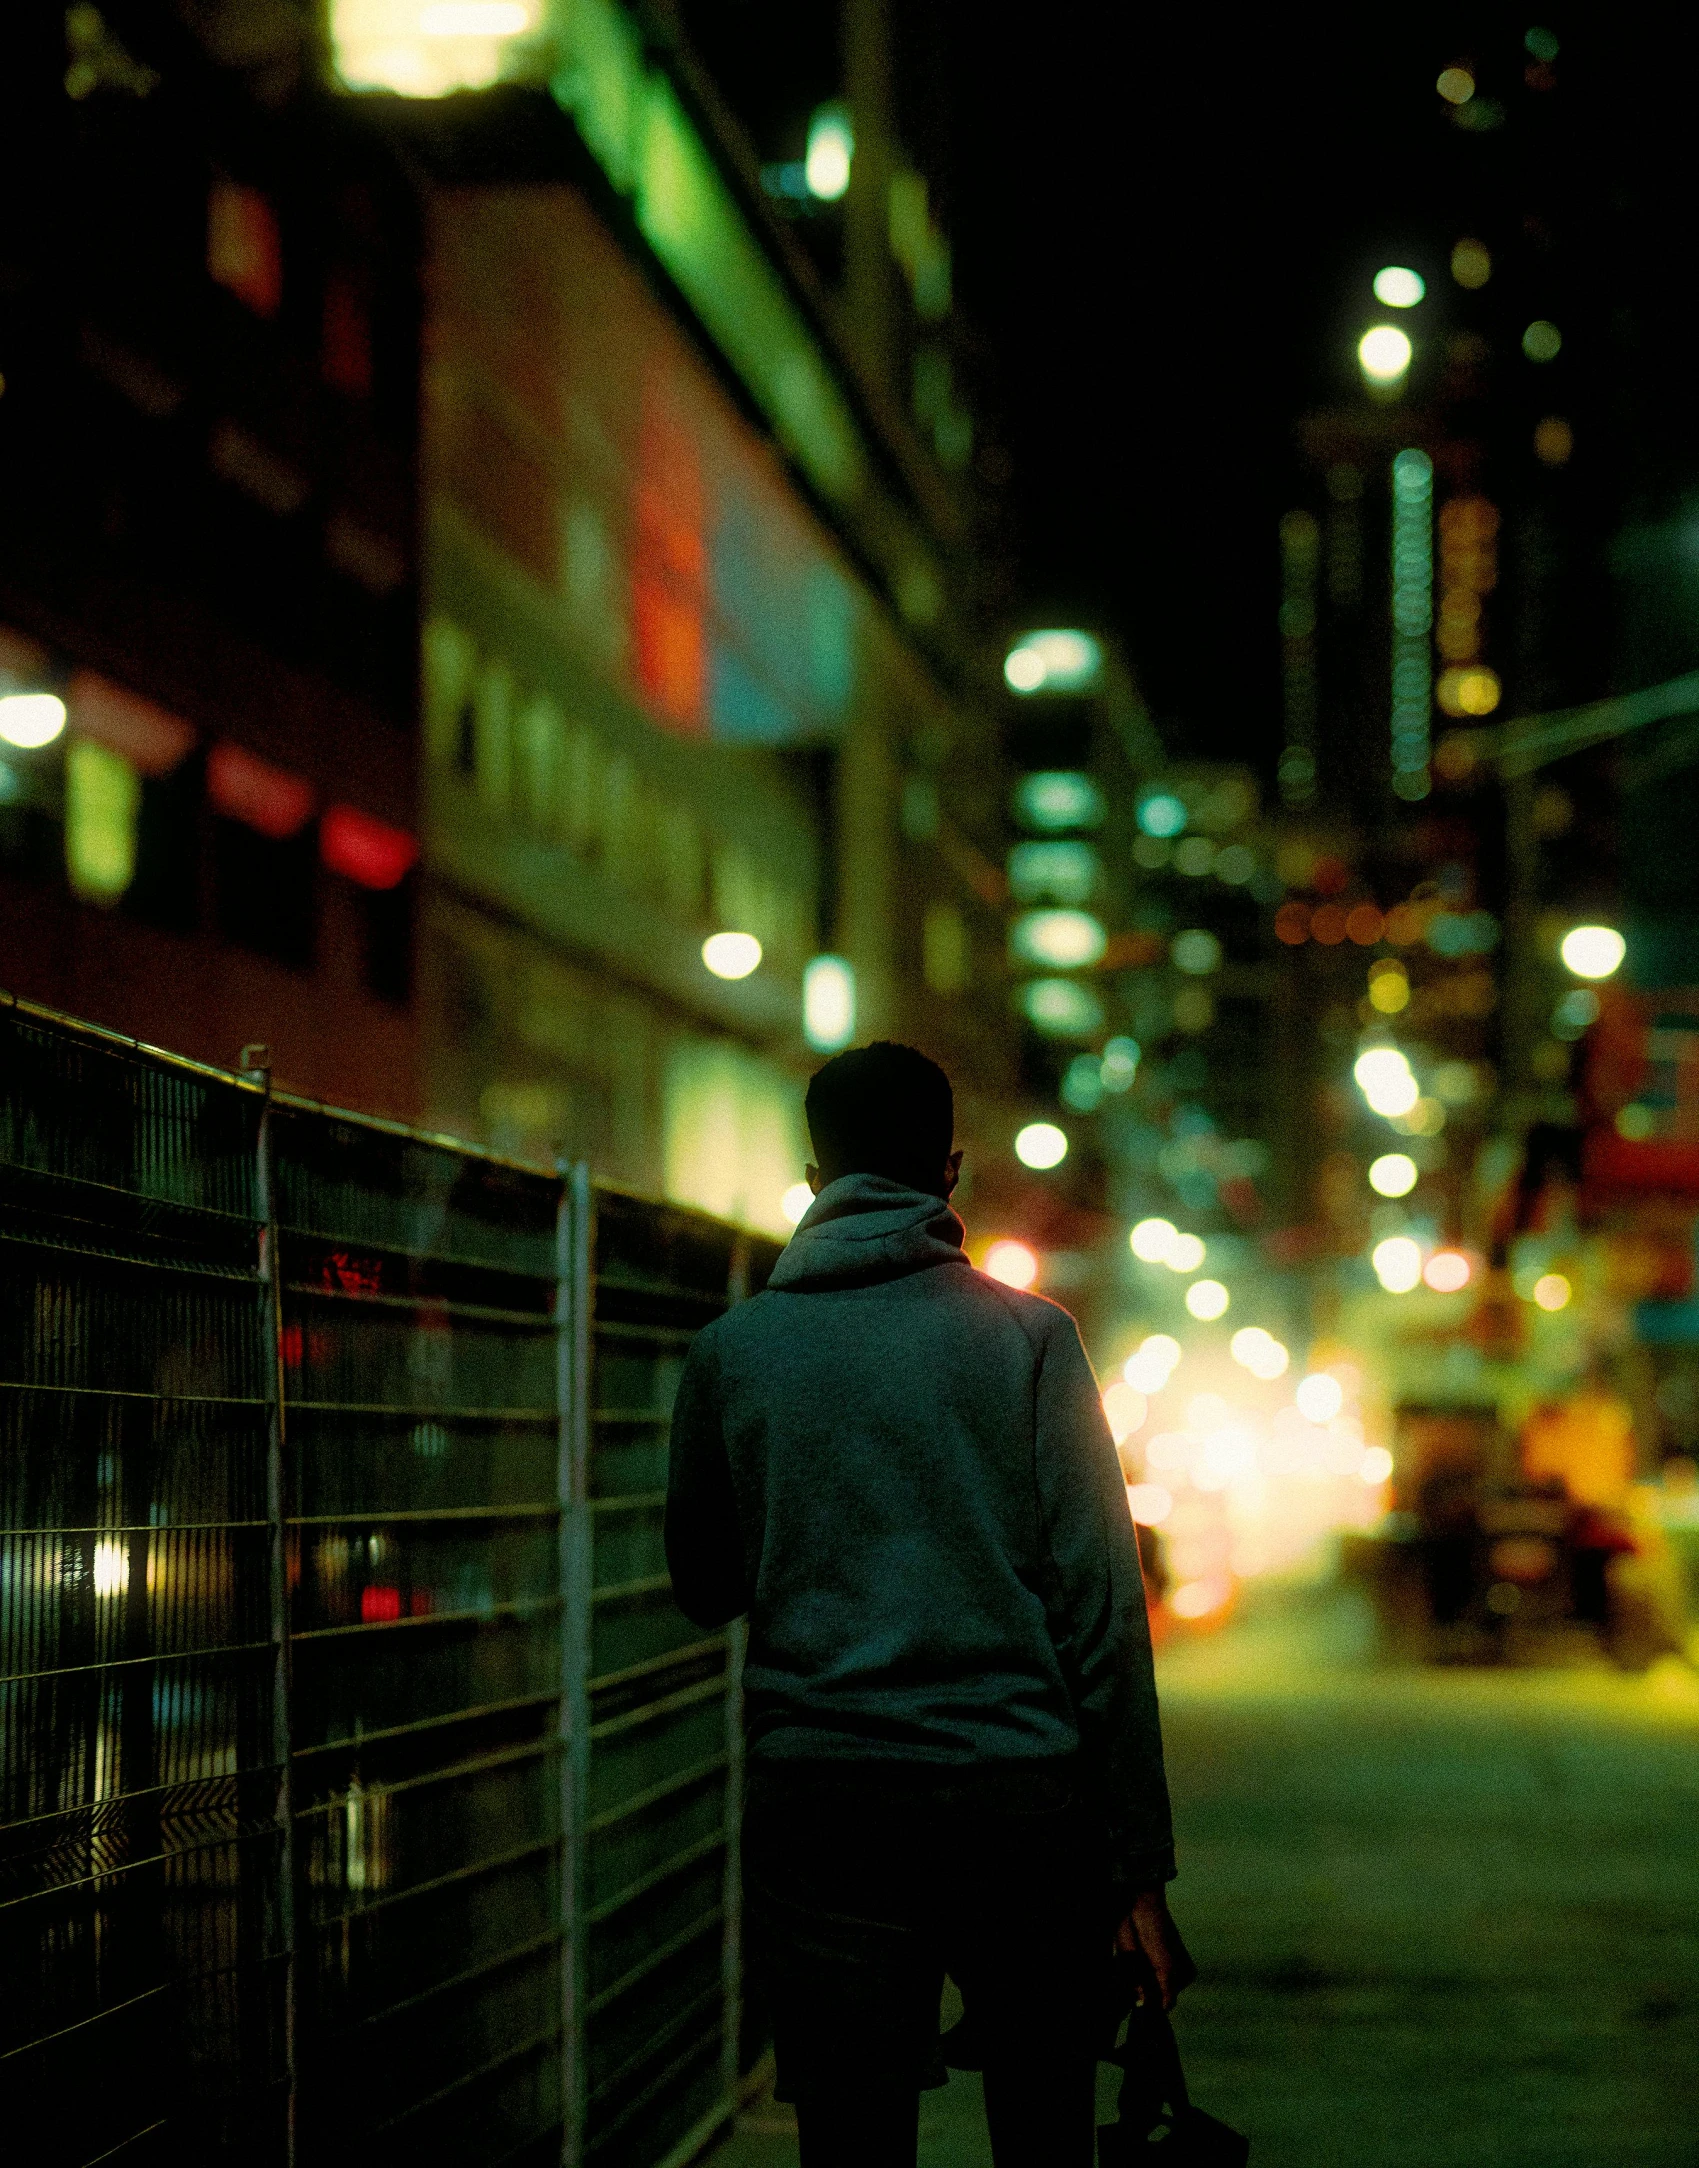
(1442, 1916)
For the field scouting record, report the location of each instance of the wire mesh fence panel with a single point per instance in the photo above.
(421, 1351)
(143, 1923)
(662, 1773)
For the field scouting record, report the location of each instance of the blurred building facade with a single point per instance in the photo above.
(528, 573)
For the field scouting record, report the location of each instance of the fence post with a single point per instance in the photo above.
(574, 1303)
(255, 1061)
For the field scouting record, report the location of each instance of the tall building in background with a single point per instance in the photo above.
(522, 655)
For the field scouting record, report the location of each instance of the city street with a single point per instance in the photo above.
(1443, 1917)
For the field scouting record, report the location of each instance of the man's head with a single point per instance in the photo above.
(883, 1109)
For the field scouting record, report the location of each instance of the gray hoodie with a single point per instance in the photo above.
(900, 1470)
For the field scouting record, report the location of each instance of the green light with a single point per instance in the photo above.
(1542, 341)
(1052, 872)
(1061, 1008)
(1059, 661)
(1058, 798)
(103, 796)
(1397, 287)
(1162, 814)
(831, 152)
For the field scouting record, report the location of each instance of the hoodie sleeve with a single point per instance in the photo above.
(703, 1537)
(1098, 1619)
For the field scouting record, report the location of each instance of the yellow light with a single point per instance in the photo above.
(828, 1003)
(1593, 952)
(1471, 264)
(731, 955)
(1023, 671)
(1398, 1264)
(29, 720)
(1057, 661)
(1377, 1466)
(1185, 1253)
(111, 1569)
(1456, 86)
(474, 19)
(1065, 940)
(830, 154)
(1041, 1145)
(1393, 1174)
(1542, 341)
(1126, 1408)
(1150, 1503)
(1552, 1291)
(1012, 1263)
(1446, 1271)
(1398, 287)
(1319, 1397)
(425, 51)
(103, 796)
(1383, 353)
(796, 1201)
(1468, 689)
(1197, 1599)
(1207, 1300)
(1152, 1240)
(1389, 988)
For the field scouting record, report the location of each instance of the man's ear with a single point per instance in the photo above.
(952, 1173)
(811, 1175)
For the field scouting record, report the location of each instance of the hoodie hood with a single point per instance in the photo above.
(863, 1228)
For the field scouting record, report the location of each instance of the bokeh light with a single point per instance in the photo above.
(1455, 85)
(1012, 1263)
(1398, 287)
(796, 1201)
(1383, 353)
(1185, 1253)
(1207, 1300)
(1471, 264)
(1259, 1352)
(1150, 1503)
(1552, 1291)
(1393, 1174)
(1377, 1465)
(1385, 1079)
(1448, 1270)
(1398, 1263)
(1593, 952)
(29, 720)
(1542, 341)
(830, 154)
(1126, 1408)
(1041, 1145)
(1152, 1363)
(1319, 1397)
(1152, 1240)
(731, 955)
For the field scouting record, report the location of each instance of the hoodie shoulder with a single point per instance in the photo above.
(1038, 1316)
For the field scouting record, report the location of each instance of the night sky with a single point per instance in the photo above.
(1165, 225)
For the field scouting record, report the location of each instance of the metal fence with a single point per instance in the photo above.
(362, 1786)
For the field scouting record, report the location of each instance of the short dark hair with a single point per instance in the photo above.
(882, 1109)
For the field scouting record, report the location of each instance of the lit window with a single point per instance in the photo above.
(1066, 940)
(1055, 799)
(366, 851)
(1052, 872)
(102, 800)
(426, 51)
(1061, 1008)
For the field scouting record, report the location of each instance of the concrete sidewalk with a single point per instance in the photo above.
(1443, 1917)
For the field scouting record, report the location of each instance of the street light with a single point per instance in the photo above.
(731, 955)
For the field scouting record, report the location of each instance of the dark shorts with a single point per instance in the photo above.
(865, 1882)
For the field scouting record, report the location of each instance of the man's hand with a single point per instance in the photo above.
(1148, 1933)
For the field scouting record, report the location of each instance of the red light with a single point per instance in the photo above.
(669, 568)
(1292, 924)
(379, 1603)
(252, 791)
(243, 248)
(1327, 925)
(421, 1603)
(364, 850)
(1365, 925)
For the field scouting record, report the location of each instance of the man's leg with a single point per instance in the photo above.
(858, 2128)
(850, 1974)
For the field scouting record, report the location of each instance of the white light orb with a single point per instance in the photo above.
(1185, 1253)
(1041, 1145)
(1591, 952)
(1152, 1240)
(1319, 1397)
(796, 1201)
(830, 154)
(1393, 1174)
(1125, 1408)
(1012, 1263)
(1398, 287)
(1207, 1300)
(731, 955)
(1398, 1264)
(1150, 1503)
(1375, 1467)
(1383, 354)
(29, 720)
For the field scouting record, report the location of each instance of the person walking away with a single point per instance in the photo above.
(900, 1470)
